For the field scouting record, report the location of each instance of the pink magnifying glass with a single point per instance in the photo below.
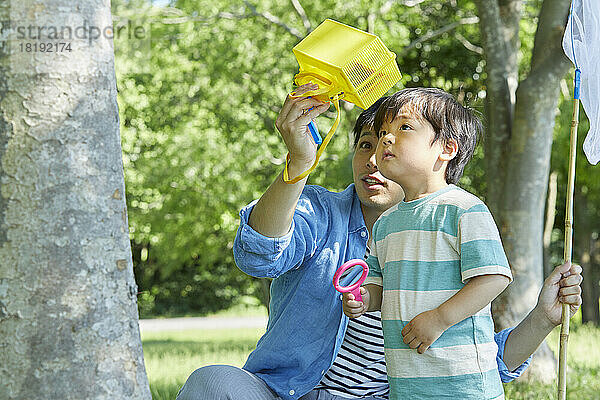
(355, 287)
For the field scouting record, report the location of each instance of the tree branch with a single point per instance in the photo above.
(552, 69)
(298, 7)
(551, 27)
(386, 7)
(468, 45)
(409, 3)
(548, 62)
(371, 22)
(172, 15)
(273, 19)
(442, 30)
(182, 18)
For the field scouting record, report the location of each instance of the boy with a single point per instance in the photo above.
(436, 259)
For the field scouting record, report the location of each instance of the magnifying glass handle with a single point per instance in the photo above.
(356, 293)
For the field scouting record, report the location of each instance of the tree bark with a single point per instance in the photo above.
(587, 253)
(500, 38)
(591, 285)
(68, 315)
(518, 151)
(549, 223)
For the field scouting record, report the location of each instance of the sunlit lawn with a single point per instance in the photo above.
(172, 356)
(583, 359)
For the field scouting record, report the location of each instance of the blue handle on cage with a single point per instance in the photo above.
(314, 131)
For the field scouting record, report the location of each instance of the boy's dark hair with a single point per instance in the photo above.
(366, 118)
(449, 119)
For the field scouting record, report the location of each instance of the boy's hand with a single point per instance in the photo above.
(353, 308)
(423, 330)
(563, 285)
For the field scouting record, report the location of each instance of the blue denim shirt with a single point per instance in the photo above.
(306, 324)
(507, 375)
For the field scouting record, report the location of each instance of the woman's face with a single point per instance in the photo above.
(375, 192)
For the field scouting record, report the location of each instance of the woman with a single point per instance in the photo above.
(299, 235)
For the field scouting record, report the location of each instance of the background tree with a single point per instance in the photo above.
(68, 317)
(522, 100)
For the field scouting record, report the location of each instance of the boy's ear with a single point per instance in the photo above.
(449, 150)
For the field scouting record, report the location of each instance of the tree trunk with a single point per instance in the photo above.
(68, 315)
(591, 285)
(549, 223)
(521, 215)
(587, 254)
(500, 39)
(519, 156)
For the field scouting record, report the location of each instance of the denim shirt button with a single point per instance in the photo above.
(363, 234)
(292, 392)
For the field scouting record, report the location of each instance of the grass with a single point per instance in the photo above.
(242, 310)
(245, 306)
(172, 356)
(583, 372)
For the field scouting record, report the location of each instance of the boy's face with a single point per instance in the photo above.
(373, 190)
(406, 153)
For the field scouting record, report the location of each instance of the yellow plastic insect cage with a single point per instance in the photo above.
(346, 63)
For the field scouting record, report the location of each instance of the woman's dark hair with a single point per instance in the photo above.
(366, 118)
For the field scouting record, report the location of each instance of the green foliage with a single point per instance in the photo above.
(197, 123)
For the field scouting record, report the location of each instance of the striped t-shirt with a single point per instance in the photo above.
(359, 368)
(423, 253)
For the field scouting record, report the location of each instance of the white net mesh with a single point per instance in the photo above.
(583, 35)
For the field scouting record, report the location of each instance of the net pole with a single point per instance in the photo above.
(566, 312)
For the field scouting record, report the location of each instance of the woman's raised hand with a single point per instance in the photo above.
(292, 122)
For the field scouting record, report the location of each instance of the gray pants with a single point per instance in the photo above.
(224, 382)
